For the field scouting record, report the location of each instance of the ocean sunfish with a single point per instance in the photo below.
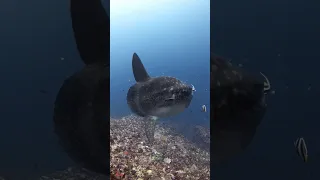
(156, 97)
(238, 103)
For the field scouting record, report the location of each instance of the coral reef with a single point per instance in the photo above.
(170, 156)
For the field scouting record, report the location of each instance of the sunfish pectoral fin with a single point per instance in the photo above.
(150, 126)
(169, 99)
(139, 72)
(173, 97)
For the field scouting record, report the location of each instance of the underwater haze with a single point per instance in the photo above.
(172, 38)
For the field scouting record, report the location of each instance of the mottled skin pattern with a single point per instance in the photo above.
(144, 97)
(81, 108)
(238, 103)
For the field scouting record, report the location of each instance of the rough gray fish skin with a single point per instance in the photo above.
(238, 104)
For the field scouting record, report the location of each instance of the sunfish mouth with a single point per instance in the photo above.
(193, 88)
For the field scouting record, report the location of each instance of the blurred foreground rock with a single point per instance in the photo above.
(74, 173)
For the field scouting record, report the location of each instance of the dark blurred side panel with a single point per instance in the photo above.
(81, 111)
(238, 102)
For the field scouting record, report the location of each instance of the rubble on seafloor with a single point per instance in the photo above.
(202, 137)
(171, 156)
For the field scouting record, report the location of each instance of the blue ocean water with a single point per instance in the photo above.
(281, 39)
(172, 38)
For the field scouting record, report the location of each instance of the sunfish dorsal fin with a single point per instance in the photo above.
(139, 72)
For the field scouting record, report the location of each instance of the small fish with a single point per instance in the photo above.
(301, 149)
(204, 108)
